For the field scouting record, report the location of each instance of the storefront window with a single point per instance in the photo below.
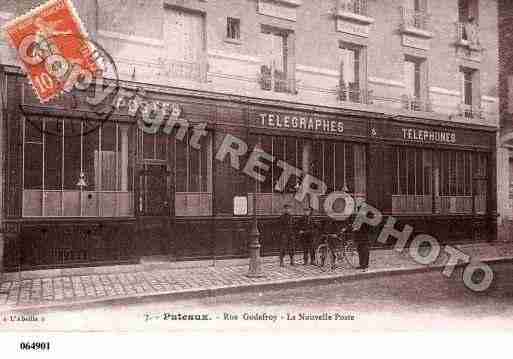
(446, 179)
(193, 176)
(338, 164)
(70, 172)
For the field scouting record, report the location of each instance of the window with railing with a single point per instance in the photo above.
(277, 72)
(73, 168)
(358, 7)
(352, 83)
(414, 15)
(470, 106)
(415, 80)
(467, 25)
(447, 182)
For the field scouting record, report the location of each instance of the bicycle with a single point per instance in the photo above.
(335, 248)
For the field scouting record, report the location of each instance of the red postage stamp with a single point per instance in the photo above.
(53, 48)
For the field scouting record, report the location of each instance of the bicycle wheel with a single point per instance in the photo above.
(351, 253)
(321, 255)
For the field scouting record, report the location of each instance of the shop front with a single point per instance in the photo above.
(440, 179)
(85, 190)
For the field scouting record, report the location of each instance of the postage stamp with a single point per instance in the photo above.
(52, 46)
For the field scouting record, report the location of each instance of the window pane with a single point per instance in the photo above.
(350, 167)
(428, 169)
(419, 175)
(71, 154)
(403, 171)
(349, 58)
(161, 146)
(411, 170)
(181, 165)
(107, 159)
(360, 169)
(53, 154)
(91, 147)
(290, 159)
(194, 168)
(279, 154)
(266, 145)
(33, 166)
(329, 168)
(316, 160)
(395, 169)
(340, 165)
(33, 130)
(148, 145)
(409, 78)
(205, 165)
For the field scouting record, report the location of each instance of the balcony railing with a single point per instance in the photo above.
(358, 7)
(470, 111)
(272, 79)
(415, 104)
(414, 19)
(195, 71)
(353, 93)
(468, 35)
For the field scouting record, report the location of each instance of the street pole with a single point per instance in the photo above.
(255, 264)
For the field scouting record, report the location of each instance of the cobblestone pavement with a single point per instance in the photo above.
(51, 290)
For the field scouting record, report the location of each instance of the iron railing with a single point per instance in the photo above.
(353, 6)
(470, 111)
(353, 93)
(415, 104)
(467, 33)
(271, 79)
(415, 19)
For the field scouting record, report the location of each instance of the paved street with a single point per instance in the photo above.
(37, 289)
(414, 301)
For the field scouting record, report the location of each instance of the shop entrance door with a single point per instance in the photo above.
(153, 208)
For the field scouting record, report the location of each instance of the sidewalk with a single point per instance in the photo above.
(66, 288)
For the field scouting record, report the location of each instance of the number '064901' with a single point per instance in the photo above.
(35, 346)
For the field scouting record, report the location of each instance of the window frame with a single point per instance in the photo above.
(233, 34)
(360, 73)
(64, 193)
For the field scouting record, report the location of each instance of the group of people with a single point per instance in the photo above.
(307, 230)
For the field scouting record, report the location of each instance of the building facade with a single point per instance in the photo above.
(394, 101)
(505, 152)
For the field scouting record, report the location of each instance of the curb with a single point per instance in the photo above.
(231, 289)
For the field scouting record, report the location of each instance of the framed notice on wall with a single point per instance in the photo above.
(240, 206)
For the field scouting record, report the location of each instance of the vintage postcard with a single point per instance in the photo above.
(307, 167)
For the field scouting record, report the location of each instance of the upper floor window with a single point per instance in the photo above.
(232, 28)
(277, 72)
(468, 28)
(416, 96)
(354, 6)
(184, 38)
(470, 89)
(412, 77)
(352, 73)
(415, 14)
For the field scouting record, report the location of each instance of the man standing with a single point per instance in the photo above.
(362, 243)
(307, 231)
(287, 235)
